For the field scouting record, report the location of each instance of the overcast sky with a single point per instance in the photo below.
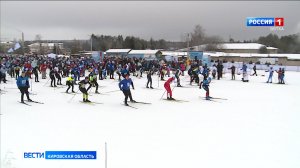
(168, 20)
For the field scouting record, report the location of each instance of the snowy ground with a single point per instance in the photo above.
(257, 127)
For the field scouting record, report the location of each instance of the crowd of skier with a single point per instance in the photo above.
(23, 68)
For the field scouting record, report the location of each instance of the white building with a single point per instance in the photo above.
(147, 54)
(235, 48)
(45, 47)
(117, 52)
(281, 59)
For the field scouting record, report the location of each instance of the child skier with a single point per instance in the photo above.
(124, 86)
(282, 76)
(182, 68)
(205, 85)
(168, 68)
(141, 71)
(93, 80)
(245, 73)
(83, 90)
(119, 69)
(279, 72)
(17, 71)
(195, 75)
(52, 77)
(70, 83)
(232, 72)
(43, 69)
(177, 74)
(168, 88)
(254, 69)
(149, 79)
(271, 71)
(58, 76)
(124, 71)
(36, 74)
(23, 85)
(104, 73)
(214, 71)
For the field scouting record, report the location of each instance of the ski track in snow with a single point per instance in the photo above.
(257, 126)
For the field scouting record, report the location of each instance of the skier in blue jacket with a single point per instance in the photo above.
(23, 85)
(205, 85)
(124, 86)
(111, 69)
(124, 72)
(271, 71)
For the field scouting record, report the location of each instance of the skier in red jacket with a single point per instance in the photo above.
(168, 88)
(43, 68)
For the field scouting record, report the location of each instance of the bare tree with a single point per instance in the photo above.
(213, 43)
(197, 36)
(38, 39)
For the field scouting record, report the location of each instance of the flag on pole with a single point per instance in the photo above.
(10, 50)
(17, 46)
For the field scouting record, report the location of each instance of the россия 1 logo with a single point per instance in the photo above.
(266, 21)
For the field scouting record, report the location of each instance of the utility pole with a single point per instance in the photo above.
(91, 43)
(23, 46)
(188, 48)
(56, 49)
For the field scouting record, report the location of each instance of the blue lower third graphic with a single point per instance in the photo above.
(63, 155)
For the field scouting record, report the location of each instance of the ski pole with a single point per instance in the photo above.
(158, 81)
(31, 84)
(73, 96)
(47, 82)
(165, 92)
(112, 91)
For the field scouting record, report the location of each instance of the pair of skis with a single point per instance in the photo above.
(37, 102)
(176, 100)
(213, 99)
(91, 103)
(137, 102)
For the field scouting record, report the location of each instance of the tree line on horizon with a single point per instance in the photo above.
(285, 44)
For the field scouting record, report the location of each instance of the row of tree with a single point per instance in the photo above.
(285, 44)
(104, 42)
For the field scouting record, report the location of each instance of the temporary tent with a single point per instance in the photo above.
(52, 55)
